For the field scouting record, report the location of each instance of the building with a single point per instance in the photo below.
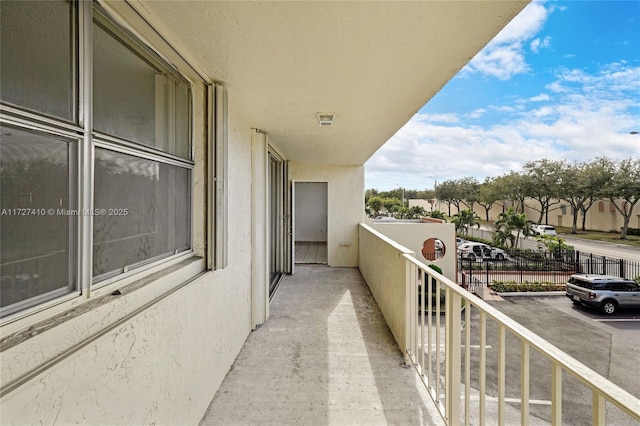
(602, 216)
(149, 151)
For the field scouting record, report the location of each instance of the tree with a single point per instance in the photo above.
(416, 212)
(469, 190)
(449, 192)
(465, 220)
(488, 195)
(368, 194)
(509, 222)
(543, 184)
(391, 204)
(427, 194)
(376, 204)
(579, 187)
(437, 214)
(553, 243)
(511, 189)
(623, 189)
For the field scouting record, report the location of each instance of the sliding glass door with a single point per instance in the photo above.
(278, 220)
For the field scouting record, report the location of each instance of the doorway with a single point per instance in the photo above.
(311, 222)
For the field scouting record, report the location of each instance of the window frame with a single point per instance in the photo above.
(87, 139)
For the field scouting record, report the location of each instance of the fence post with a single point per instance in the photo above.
(486, 268)
(521, 262)
(604, 265)
(622, 269)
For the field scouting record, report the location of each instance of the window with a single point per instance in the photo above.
(38, 56)
(137, 207)
(37, 182)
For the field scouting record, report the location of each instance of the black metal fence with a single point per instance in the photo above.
(548, 269)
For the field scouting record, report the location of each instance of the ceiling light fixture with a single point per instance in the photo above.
(326, 118)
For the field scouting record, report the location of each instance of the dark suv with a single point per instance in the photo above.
(603, 291)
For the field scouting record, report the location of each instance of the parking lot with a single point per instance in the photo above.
(610, 345)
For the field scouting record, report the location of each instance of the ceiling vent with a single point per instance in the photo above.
(326, 118)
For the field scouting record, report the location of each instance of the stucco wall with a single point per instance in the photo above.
(345, 205)
(385, 271)
(413, 236)
(134, 361)
(602, 216)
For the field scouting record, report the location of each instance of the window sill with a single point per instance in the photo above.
(80, 321)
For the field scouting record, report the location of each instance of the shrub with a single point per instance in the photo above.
(535, 286)
(633, 231)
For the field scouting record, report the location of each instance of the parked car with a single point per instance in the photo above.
(543, 230)
(605, 292)
(473, 251)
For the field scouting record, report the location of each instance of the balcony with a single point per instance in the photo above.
(330, 354)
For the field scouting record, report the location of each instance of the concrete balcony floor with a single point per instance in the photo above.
(324, 357)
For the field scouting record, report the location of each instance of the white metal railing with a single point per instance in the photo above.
(474, 285)
(440, 350)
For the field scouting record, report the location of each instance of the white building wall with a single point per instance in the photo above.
(136, 359)
(602, 216)
(413, 235)
(345, 206)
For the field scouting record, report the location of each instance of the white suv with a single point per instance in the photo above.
(474, 251)
(543, 230)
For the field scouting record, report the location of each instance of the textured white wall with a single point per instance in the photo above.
(345, 205)
(385, 271)
(162, 365)
(413, 235)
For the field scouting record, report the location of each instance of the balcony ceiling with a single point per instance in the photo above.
(373, 64)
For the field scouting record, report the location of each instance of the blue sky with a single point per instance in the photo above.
(561, 81)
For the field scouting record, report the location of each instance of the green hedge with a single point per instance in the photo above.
(633, 231)
(512, 286)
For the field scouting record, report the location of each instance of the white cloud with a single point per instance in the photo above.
(540, 98)
(438, 118)
(537, 44)
(477, 113)
(592, 117)
(504, 55)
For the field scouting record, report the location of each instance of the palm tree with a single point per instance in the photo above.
(465, 219)
(437, 214)
(510, 221)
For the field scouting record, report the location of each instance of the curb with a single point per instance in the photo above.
(532, 293)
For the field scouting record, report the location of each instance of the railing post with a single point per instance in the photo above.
(408, 304)
(598, 409)
(453, 356)
(556, 395)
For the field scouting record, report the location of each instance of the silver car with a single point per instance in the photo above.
(606, 292)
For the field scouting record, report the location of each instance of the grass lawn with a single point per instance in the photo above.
(610, 237)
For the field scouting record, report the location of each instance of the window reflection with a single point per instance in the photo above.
(36, 225)
(37, 56)
(141, 211)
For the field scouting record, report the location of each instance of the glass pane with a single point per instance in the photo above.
(37, 221)
(136, 99)
(37, 56)
(142, 211)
